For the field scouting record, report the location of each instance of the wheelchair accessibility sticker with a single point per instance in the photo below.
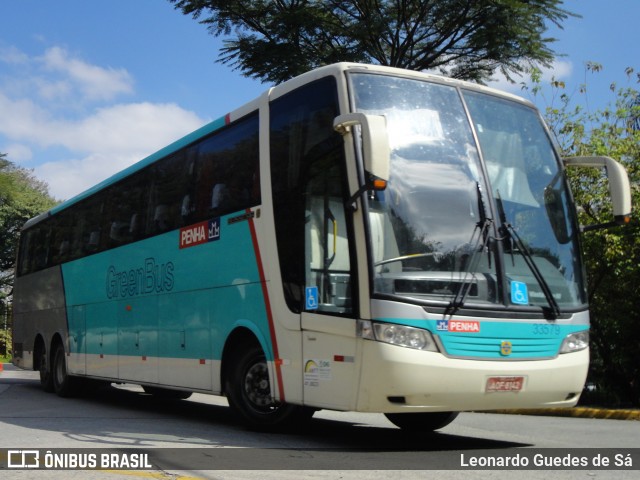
(519, 293)
(311, 298)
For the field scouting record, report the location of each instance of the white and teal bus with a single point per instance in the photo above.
(359, 238)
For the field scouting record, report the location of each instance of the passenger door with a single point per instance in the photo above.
(315, 238)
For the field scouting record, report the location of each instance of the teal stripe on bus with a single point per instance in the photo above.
(484, 338)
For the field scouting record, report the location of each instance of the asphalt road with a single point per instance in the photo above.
(335, 445)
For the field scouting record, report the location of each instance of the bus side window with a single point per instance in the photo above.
(171, 179)
(86, 229)
(60, 239)
(27, 252)
(227, 163)
(326, 243)
(125, 203)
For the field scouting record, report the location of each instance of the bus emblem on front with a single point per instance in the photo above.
(506, 348)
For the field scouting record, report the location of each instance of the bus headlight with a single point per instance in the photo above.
(575, 342)
(400, 335)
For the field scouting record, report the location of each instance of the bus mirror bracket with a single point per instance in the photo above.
(375, 148)
(619, 189)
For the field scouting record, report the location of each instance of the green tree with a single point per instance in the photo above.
(471, 39)
(612, 255)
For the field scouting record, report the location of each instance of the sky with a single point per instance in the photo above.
(88, 87)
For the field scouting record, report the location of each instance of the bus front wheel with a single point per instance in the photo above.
(422, 421)
(248, 391)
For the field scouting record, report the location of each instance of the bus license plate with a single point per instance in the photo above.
(504, 384)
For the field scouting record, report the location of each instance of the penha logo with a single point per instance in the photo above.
(203, 232)
(464, 326)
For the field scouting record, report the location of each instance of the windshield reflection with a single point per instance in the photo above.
(432, 232)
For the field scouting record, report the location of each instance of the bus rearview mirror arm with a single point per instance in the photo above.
(619, 189)
(375, 149)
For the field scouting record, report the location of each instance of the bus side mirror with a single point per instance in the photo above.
(375, 149)
(619, 188)
(375, 140)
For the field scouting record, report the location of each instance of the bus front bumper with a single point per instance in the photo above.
(398, 379)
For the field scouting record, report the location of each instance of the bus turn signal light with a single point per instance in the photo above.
(379, 184)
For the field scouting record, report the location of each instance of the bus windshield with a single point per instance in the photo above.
(477, 210)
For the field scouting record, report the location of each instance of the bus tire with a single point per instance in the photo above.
(422, 421)
(63, 383)
(248, 391)
(46, 375)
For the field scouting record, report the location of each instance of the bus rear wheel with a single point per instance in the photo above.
(46, 375)
(248, 391)
(422, 421)
(64, 384)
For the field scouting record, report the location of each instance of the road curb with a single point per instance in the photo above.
(577, 412)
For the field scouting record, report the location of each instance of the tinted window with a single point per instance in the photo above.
(228, 177)
(213, 176)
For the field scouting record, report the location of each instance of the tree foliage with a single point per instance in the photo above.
(612, 256)
(470, 39)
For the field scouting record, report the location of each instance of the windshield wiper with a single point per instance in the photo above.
(509, 231)
(483, 228)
